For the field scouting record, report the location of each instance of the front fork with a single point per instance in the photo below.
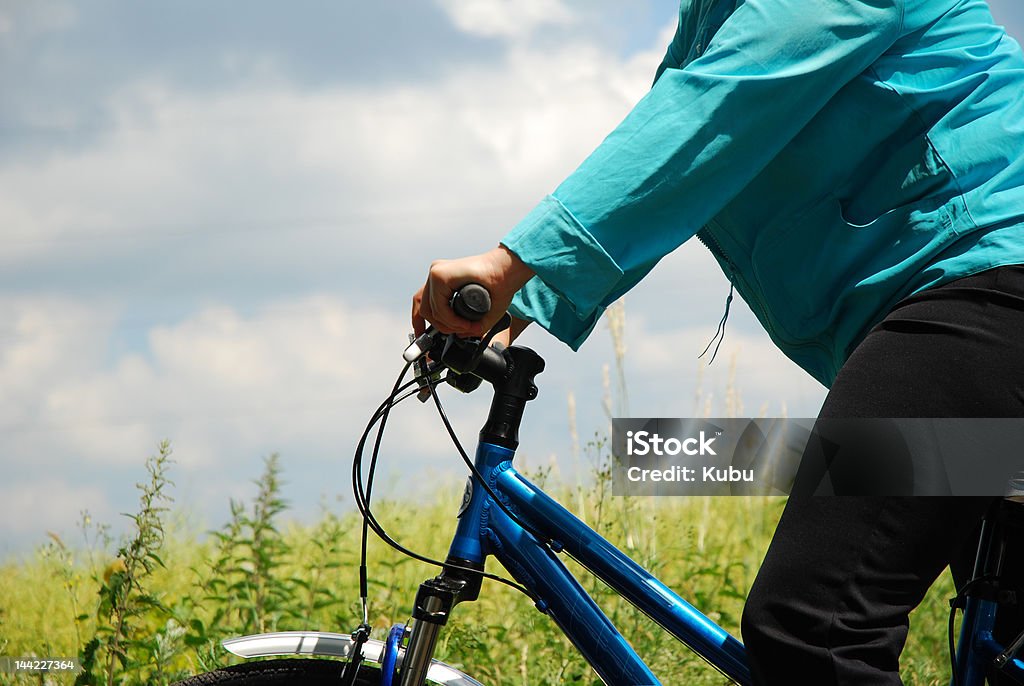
(434, 603)
(460, 580)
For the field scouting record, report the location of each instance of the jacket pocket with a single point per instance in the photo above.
(904, 171)
(822, 272)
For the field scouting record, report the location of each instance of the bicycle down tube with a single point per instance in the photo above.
(978, 647)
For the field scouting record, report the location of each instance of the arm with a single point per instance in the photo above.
(700, 135)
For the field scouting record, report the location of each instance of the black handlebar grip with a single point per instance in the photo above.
(471, 302)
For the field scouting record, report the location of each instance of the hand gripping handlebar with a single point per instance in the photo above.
(471, 302)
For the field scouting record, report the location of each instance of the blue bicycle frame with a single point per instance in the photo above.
(979, 646)
(484, 529)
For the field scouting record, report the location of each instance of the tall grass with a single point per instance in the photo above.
(155, 608)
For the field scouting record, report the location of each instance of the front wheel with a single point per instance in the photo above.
(293, 672)
(306, 672)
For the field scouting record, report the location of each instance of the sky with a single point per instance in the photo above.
(212, 223)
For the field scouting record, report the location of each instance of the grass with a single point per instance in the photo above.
(154, 607)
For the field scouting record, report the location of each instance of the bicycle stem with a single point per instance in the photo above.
(511, 393)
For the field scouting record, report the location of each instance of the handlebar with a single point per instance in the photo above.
(463, 355)
(469, 360)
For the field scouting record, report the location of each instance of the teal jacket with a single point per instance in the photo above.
(834, 155)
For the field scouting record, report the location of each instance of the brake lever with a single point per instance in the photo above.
(425, 372)
(501, 325)
(428, 373)
(418, 347)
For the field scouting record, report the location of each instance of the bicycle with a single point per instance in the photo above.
(503, 515)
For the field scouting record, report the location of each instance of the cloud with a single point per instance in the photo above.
(33, 19)
(505, 18)
(1011, 14)
(300, 377)
(54, 506)
(218, 382)
(269, 174)
(43, 341)
(748, 377)
(62, 62)
(297, 376)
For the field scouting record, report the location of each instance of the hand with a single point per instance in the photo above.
(499, 270)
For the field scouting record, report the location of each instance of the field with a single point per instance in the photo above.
(152, 608)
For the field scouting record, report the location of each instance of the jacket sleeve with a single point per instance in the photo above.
(687, 148)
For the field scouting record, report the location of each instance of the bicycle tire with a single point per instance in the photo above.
(294, 672)
(283, 672)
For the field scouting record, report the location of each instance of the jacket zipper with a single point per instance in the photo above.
(712, 244)
(759, 308)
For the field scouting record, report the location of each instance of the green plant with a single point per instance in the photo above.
(122, 641)
(249, 585)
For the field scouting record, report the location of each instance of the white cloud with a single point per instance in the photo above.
(26, 19)
(219, 383)
(1009, 12)
(179, 162)
(239, 170)
(53, 506)
(300, 377)
(43, 341)
(506, 18)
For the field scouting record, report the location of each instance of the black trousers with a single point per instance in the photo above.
(831, 600)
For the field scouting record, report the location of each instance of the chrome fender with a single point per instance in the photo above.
(330, 644)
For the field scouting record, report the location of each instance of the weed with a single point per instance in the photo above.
(121, 643)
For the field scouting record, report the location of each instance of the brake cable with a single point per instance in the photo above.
(362, 495)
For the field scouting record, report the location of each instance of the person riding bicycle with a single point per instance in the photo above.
(856, 167)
